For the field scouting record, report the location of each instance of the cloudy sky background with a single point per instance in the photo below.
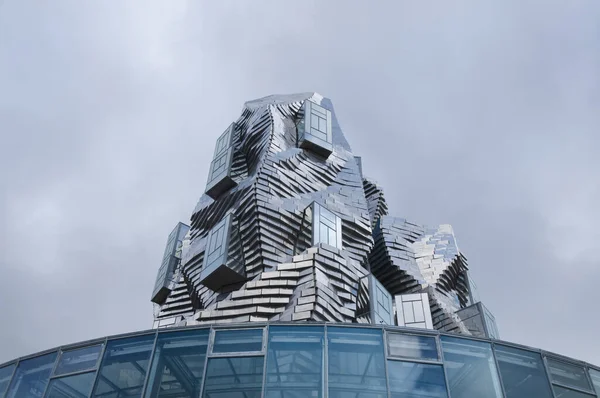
(482, 114)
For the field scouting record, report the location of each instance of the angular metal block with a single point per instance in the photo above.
(219, 176)
(314, 129)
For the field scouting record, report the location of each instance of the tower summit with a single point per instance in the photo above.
(289, 229)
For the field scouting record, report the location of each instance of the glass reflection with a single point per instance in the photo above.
(78, 360)
(416, 380)
(5, 375)
(124, 366)
(241, 340)
(77, 386)
(561, 392)
(412, 346)
(568, 374)
(522, 372)
(295, 362)
(178, 364)
(234, 377)
(356, 362)
(31, 377)
(594, 374)
(470, 368)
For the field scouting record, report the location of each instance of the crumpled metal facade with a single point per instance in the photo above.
(289, 229)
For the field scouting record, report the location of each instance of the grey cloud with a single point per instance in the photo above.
(485, 112)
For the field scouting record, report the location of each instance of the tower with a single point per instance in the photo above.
(289, 229)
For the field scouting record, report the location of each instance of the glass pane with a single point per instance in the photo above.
(522, 372)
(408, 380)
(470, 368)
(178, 364)
(568, 374)
(295, 362)
(411, 346)
(242, 340)
(594, 374)
(560, 392)
(124, 367)
(79, 359)
(234, 377)
(356, 362)
(78, 386)
(31, 377)
(5, 375)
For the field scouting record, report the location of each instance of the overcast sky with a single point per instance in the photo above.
(481, 114)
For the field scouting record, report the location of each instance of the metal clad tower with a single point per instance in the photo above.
(289, 229)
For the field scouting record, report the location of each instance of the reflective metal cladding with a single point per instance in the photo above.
(289, 229)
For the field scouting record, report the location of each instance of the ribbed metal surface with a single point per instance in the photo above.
(274, 269)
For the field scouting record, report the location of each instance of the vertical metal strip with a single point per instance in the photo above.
(589, 375)
(325, 365)
(211, 333)
(266, 350)
(11, 378)
(547, 369)
(385, 358)
(438, 340)
(58, 355)
(498, 370)
(99, 367)
(149, 368)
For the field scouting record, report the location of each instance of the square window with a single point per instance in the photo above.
(568, 374)
(412, 346)
(241, 340)
(78, 359)
(234, 377)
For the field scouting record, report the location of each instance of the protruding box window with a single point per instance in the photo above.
(224, 141)
(479, 320)
(218, 269)
(382, 304)
(327, 227)
(374, 303)
(314, 129)
(219, 176)
(413, 310)
(171, 259)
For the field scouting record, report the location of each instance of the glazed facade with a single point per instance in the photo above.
(297, 360)
(292, 280)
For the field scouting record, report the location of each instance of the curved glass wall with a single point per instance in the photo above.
(297, 360)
